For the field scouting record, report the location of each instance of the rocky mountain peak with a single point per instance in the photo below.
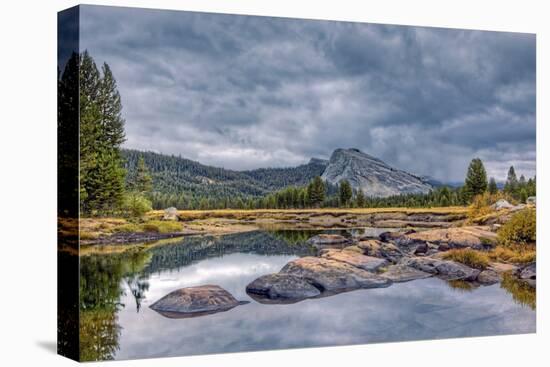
(371, 175)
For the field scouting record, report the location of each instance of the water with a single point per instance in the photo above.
(118, 289)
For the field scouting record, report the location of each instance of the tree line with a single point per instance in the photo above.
(114, 181)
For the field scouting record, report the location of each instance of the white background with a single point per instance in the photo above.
(28, 184)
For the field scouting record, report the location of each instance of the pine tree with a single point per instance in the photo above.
(344, 192)
(511, 185)
(360, 198)
(476, 179)
(101, 135)
(316, 192)
(143, 182)
(492, 188)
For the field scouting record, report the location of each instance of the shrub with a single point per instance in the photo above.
(469, 257)
(135, 205)
(128, 227)
(521, 229)
(162, 226)
(481, 204)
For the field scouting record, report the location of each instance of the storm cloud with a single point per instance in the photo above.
(244, 92)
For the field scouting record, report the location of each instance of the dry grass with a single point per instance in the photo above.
(293, 213)
(472, 258)
(514, 254)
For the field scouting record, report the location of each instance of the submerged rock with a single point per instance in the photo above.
(448, 270)
(331, 275)
(282, 286)
(358, 260)
(327, 239)
(195, 301)
(404, 273)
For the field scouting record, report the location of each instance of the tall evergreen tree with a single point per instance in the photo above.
(511, 185)
(101, 135)
(344, 192)
(492, 188)
(360, 198)
(316, 192)
(476, 179)
(143, 181)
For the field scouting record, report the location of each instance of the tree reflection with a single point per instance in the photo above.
(101, 285)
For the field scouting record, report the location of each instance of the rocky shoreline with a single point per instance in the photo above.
(344, 264)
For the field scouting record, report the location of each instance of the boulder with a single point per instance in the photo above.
(390, 236)
(380, 249)
(528, 272)
(501, 268)
(502, 204)
(195, 301)
(476, 237)
(448, 270)
(531, 200)
(331, 275)
(353, 258)
(488, 276)
(403, 273)
(170, 214)
(282, 287)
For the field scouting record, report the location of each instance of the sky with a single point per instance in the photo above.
(244, 92)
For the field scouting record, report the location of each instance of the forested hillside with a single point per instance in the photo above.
(185, 183)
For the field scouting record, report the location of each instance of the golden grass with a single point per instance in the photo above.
(282, 213)
(514, 254)
(467, 256)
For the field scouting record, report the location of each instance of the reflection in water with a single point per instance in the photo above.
(521, 292)
(111, 285)
(461, 285)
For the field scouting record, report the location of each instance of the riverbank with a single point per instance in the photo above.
(155, 225)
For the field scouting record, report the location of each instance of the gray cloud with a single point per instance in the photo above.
(245, 92)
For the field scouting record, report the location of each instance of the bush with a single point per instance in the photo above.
(481, 204)
(128, 227)
(521, 229)
(162, 226)
(467, 256)
(136, 205)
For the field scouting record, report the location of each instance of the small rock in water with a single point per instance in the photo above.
(488, 277)
(195, 301)
(448, 270)
(327, 239)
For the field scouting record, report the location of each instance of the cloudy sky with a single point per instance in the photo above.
(245, 92)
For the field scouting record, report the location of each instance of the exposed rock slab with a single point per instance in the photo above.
(282, 287)
(331, 275)
(195, 301)
(384, 250)
(371, 175)
(476, 237)
(404, 273)
(448, 270)
(358, 260)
